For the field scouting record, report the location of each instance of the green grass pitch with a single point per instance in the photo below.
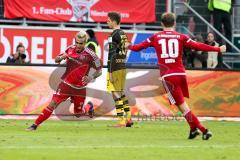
(94, 140)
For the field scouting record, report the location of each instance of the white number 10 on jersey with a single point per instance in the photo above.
(173, 48)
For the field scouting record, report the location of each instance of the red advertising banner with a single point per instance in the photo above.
(132, 11)
(43, 45)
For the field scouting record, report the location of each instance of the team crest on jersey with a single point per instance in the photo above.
(82, 58)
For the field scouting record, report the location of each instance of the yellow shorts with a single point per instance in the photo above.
(119, 79)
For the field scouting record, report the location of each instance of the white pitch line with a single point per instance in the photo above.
(122, 146)
(54, 117)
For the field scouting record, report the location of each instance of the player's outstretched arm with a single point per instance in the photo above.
(223, 48)
(204, 47)
(137, 47)
(127, 44)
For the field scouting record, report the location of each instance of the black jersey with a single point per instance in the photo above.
(117, 52)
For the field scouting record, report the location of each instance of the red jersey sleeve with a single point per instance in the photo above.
(66, 51)
(143, 45)
(60, 54)
(199, 46)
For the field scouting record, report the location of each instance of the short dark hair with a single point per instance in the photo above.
(19, 46)
(114, 16)
(168, 19)
(90, 33)
(211, 33)
(199, 38)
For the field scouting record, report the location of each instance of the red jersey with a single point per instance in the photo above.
(78, 66)
(169, 47)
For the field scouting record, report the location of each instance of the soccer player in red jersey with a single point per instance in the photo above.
(79, 61)
(169, 46)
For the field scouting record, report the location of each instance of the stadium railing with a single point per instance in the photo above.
(230, 60)
(209, 25)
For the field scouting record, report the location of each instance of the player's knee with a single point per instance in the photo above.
(183, 107)
(117, 95)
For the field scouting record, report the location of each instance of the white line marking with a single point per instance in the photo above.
(220, 146)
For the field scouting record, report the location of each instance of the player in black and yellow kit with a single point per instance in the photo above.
(116, 76)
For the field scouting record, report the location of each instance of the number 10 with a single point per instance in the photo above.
(173, 48)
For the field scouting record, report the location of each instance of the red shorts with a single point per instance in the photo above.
(177, 88)
(64, 91)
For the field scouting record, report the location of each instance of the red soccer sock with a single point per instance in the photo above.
(194, 122)
(78, 110)
(202, 128)
(188, 116)
(46, 113)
